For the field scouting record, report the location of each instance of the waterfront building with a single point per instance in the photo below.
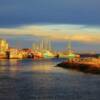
(16, 54)
(3, 46)
(27, 53)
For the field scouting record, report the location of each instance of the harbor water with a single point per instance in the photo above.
(42, 80)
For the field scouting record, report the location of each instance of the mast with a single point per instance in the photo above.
(49, 45)
(69, 46)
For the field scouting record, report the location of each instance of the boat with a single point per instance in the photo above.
(48, 54)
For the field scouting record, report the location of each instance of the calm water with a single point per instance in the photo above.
(41, 80)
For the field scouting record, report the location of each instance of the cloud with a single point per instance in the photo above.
(57, 32)
(18, 12)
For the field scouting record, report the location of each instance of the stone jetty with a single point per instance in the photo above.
(86, 66)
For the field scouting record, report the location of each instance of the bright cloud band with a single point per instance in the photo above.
(80, 33)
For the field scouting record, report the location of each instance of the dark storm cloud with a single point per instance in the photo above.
(18, 12)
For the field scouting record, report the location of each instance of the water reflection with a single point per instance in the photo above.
(40, 80)
(13, 66)
(43, 67)
(9, 67)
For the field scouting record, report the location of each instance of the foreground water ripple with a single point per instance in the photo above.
(41, 80)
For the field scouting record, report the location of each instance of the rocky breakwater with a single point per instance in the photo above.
(86, 66)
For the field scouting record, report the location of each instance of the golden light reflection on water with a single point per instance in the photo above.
(43, 67)
(8, 65)
(6, 62)
(14, 66)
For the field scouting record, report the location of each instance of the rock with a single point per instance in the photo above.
(83, 67)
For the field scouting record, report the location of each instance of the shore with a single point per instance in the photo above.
(83, 66)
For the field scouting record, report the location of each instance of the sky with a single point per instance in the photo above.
(24, 21)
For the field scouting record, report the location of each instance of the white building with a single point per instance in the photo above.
(3, 46)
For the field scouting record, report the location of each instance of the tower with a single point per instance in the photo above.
(3, 46)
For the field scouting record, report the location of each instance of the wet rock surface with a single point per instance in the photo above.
(83, 67)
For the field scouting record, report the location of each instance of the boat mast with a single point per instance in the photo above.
(69, 46)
